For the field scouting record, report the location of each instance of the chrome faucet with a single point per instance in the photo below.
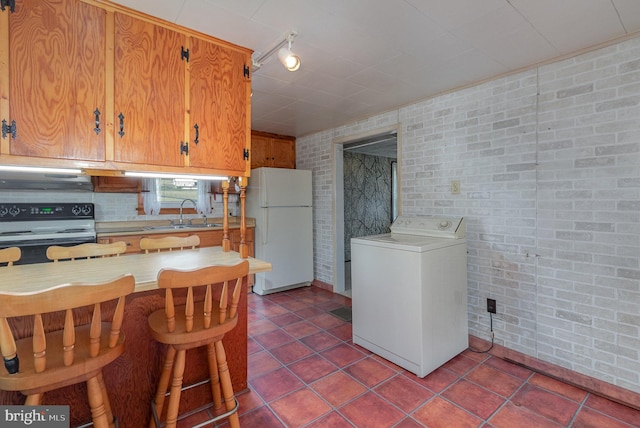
(182, 203)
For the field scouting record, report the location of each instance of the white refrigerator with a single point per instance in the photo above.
(280, 200)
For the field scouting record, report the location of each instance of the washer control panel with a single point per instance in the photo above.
(445, 227)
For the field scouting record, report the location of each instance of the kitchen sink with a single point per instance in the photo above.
(183, 226)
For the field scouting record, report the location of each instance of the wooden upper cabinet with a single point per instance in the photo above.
(218, 107)
(148, 93)
(272, 150)
(56, 79)
(107, 184)
(91, 84)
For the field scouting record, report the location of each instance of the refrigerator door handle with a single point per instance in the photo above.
(265, 228)
(264, 189)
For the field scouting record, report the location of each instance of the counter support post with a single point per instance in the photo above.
(244, 248)
(226, 243)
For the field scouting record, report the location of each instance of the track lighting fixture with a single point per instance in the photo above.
(290, 60)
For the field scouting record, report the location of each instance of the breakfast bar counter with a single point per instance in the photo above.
(131, 380)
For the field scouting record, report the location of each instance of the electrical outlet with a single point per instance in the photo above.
(455, 187)
(491, 306)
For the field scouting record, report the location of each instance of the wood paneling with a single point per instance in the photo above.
(107, 184)
(57, 79)
(60, 60)
(272, 150)
(218, 106)
(149, 92)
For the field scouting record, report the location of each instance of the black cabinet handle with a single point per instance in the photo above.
(97, 128)
(121, 132)
(197, 139)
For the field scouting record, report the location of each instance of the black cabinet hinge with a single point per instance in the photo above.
(11, 4)
(245, 154)
(184, 54)
(246, 71)
(9, 129)
(184, 148)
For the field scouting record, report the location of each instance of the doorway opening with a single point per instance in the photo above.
(367, 194)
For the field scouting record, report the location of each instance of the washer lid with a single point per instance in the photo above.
(402, 241)
(443, 227)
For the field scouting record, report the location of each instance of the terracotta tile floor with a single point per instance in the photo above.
(304, 371)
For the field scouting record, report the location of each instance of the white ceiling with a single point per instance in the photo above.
(363, 57)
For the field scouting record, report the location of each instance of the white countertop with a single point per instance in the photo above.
(32, 278)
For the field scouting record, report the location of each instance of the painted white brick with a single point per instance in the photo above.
(551, 193)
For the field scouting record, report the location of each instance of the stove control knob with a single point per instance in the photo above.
(75, 210)
(86, 209)
(14, 211)
(3, 211)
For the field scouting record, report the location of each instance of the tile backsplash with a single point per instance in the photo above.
(109, 206)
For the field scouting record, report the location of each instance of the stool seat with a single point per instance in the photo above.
(197, 324)
(29, 382)
(180, 336)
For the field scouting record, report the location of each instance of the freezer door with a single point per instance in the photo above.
(281, 187)
(284, 238)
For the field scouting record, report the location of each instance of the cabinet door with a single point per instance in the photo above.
(149, 93)
(218, 105)
(260, 153)
(283, 153)
(116, 184)
(211, 238)
(57, 54)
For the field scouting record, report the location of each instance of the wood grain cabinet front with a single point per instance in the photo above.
(201, 84)
(218, 134)
(95, 85)
(106, 184)
(52, 80)
(149, 105)
(208, 238)
(271, 150)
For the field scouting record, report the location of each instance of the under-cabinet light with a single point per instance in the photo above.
(178, 176)
(44, 170)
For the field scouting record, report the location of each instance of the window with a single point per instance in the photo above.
(172, 191)
(164, 195)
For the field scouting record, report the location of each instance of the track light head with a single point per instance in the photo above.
(290, 60)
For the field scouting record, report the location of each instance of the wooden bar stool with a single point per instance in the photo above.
(86, 251)
(52, 359)
(193, 325)
(10, 255)
(169, 243)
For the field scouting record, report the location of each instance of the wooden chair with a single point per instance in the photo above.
(10, 255)
(86, 251)
(169, 243)
(193, 325)
(52, 359)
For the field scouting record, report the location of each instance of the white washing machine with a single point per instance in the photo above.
(409, 292)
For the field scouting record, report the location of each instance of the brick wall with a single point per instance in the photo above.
(549, 168)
